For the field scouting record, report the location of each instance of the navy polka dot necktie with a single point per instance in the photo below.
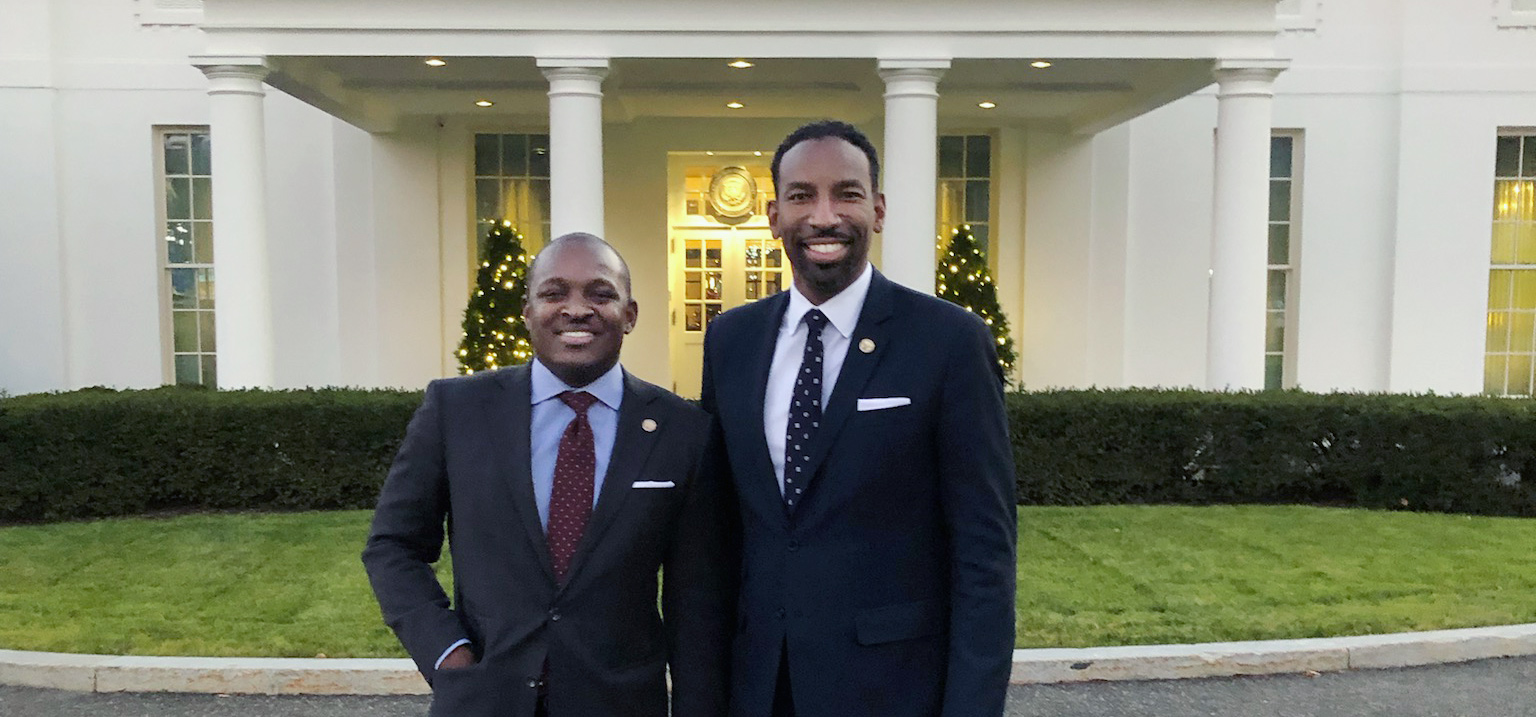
(804, 412)
(570, 500)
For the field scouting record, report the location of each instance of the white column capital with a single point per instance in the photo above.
(252, 67)
(1252, 78)
(912, 78)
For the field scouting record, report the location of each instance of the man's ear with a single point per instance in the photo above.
(773, 217)
(879, 212)
(631, 315)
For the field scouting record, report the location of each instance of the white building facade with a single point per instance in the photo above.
(1325, 194)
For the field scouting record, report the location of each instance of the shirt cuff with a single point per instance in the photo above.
(451, 648)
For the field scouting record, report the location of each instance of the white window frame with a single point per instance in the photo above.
(162, 260)
(1529, 133)
(1292, 268)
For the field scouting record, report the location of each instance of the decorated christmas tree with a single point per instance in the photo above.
(963, 279)
(494, 332)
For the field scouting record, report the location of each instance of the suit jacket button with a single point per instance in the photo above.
(781, 613)
(794, 545)
(533, 683)
(554, 615)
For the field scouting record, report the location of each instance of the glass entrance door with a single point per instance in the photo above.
(721, 252)
(721, 268)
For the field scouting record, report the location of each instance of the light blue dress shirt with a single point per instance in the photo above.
(549, 419)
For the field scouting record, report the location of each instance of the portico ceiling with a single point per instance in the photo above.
(1082, 95)
(1112, 59)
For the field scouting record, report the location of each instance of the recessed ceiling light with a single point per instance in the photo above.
(986, 105)
(709, 153)
(739, 64)
(1039, 64)
(436, 62)
(735, 105)
(759, 153)
(483, 103)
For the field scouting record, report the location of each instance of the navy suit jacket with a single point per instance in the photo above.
(892, 582)
(465, 461)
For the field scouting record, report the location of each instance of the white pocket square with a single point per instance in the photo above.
(653, 484)
(875, 404)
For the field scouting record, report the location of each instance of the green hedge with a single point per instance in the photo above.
(1435, 453)
(98, 452)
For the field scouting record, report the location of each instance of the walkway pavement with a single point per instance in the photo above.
(1483, 688)
(262, 676)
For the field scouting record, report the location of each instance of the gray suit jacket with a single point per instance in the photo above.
(464, 463)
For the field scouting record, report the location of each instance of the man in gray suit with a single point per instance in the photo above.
(565, 485)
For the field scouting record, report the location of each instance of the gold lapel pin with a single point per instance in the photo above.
(867, 345)
(648, 425)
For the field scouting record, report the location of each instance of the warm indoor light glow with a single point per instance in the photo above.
(483, 103)
(735, 105)
(435, 62)
(986, 105)
(739, 64)
(1039, 64)
(757, 153)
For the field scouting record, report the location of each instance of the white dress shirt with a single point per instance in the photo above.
(842, 312)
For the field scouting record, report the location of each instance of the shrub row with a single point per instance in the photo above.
(1434, 453)
(99, 452)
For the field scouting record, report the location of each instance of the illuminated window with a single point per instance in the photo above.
(1512, 272)
(965, 188)
(1280, 300)
(512, 185)
(186, 220)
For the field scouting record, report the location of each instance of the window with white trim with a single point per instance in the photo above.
(965, 188)
(186, 218)
(1511, 342)
(512, 187)
(1280, 299)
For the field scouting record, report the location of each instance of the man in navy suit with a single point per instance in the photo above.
(862, 424)
(565, 484)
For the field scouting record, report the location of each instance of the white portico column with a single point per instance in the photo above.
(1240, 224)
(910, 173)
(575, 143)
(241, 270)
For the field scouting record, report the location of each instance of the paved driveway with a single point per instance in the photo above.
(1488, 688)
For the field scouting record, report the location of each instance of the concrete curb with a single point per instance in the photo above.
(287, 676)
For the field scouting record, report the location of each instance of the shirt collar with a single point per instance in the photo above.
(608, 388)
(842, 310)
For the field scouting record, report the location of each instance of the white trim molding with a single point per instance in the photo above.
(168, 12)
(1515, 13)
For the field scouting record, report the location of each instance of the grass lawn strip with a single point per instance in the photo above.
(291, 585)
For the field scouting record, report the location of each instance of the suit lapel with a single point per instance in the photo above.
(858, 366)
(632, 445)
(511, 412)
(765, 492)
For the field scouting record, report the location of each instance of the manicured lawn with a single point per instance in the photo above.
(1120, 575)
(291, 585)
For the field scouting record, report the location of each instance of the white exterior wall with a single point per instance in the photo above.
(1398, 103)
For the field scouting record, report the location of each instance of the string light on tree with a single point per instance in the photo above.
(494, 332)
(963, 279)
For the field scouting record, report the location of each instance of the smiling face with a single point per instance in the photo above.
(825, 212)
(578, 309)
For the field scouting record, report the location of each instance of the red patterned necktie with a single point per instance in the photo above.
(570, 501)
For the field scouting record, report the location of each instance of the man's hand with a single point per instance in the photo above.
(459, 659)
